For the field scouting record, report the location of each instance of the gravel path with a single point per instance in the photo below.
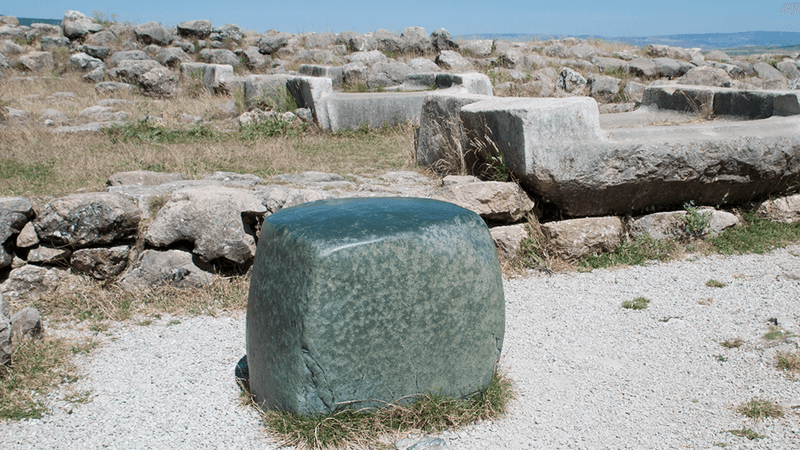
(588, 374)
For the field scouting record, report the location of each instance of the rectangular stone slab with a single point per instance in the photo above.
(371, 300)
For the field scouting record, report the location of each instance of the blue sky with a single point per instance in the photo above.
(577, 17)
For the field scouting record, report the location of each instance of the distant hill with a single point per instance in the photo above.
(27, 21)
(706, 41)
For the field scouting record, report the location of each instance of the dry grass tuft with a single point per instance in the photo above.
(87, 299)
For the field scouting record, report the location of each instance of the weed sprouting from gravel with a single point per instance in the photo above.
(747, 433)
(758, 409)
(715, 284)
(732, 343)
(639, 303)
(788, 361)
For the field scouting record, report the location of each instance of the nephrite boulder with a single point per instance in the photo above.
(356, 302)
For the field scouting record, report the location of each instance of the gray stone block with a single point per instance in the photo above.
(376, 109)
(355, 302)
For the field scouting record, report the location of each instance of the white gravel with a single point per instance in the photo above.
(587, 373)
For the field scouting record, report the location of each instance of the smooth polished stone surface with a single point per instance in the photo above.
(370, 300)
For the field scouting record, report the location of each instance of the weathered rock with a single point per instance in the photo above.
(47, 255)
(450, 60)
(441, 40)
(26, 324)
(387, 41)
(153, 33)
(254, 60)
(478, 48)
(143, 177)
(492, 200)
(674, 225)
(229, 32)
(707, 76)
(15, 212)
(670, 68)
(275, 198)
(508, 239)
(325, 324)
(557, 50)
(575, 238)
(95, 76)
(172, 57)
(87, 220)
(583, 51)
(511, 59)
(269, 44)
(172, 267)
(103, 38)
(84, 63)
(194, 29)
(159, 83)
(604, 88)
(570, 80)
(30, 281)
(129, 55)
(610, 64)
(76, 25)
(101, 263)
(415, 40)
(131, 71)
(643, 67)
(782, 209)
(37, 61)
(213, 220)
(27, 237)
(220, 56)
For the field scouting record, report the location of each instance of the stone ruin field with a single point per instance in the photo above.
(141, 159)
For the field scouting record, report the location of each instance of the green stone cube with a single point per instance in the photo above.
(357, 302)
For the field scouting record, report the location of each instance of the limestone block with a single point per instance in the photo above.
(26, 324)
(521, 127)
(370, 300)
(47, 255)
(575, 238)
(101, 263)
(441, 135)
(86, 220)
(212, 219)
(783, 209)
(15, 212)
(312, 92)
(492, 200)
(172, 267)
(508, 238)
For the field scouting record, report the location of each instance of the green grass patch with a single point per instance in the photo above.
(715, 284)
(37, 367)
(758, 235)
(638, 304)
(363, 428)
(758, 409)
(35, 176)
(631, 252)
(145, 131)
(777, 333)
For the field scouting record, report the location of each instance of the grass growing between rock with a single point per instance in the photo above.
(758, 235)
(632, 252)
(37, 366)
(350, 428)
